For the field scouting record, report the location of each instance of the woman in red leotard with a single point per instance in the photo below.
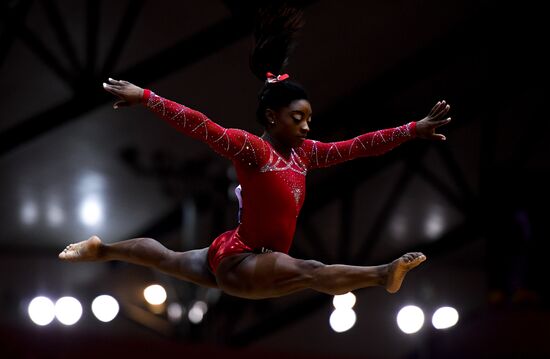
(251, 261)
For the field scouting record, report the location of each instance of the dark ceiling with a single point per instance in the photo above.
(472, 204)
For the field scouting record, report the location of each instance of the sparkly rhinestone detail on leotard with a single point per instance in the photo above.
(277, 163)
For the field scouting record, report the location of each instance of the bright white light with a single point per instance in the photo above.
(195, 315)
(91, 211)
(155, 294)
(29, 212)
(434, 223)
(344, 301)
(410, 319)
(197, 312)
(342, 320)
(54, 214)
(445, 317)
(201, 305)
(174, 311)
(41, 311)
(105, 308)
(68, 310)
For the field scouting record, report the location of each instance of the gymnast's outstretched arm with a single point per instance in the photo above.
(320, 154)
(235, 144)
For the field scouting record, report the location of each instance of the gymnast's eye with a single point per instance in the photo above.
(297, 116)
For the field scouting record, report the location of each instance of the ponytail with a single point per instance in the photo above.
(275, 29)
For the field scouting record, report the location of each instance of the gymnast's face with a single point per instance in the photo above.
(289, 125)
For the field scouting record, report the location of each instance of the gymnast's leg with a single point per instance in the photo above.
(191, 266)
(275, 274)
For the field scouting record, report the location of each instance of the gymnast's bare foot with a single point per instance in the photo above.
(84, 251)
(399, 268)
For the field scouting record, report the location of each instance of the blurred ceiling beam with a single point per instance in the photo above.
(60, 30)
(88, 91)
(13, 19)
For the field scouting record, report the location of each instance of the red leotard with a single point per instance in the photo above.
(273, 186)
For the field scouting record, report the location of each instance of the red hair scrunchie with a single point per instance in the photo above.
(273, 79)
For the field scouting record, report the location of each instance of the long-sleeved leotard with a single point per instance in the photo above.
(273, 186)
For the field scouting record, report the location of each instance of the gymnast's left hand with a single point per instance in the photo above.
(127, 93)
(425, 128)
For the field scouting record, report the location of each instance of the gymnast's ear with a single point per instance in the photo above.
(270, 116)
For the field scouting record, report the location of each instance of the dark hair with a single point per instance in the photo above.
(276, 25)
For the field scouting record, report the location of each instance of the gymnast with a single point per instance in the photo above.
(252, 261)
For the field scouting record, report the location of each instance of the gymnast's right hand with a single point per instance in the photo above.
(127, 93)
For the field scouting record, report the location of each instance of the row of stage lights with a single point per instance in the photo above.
(68, 310)
(410, 319)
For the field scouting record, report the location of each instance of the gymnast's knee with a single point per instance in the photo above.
(310, 266)
(309, 269)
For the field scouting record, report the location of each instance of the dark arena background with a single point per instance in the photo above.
(476, 204)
